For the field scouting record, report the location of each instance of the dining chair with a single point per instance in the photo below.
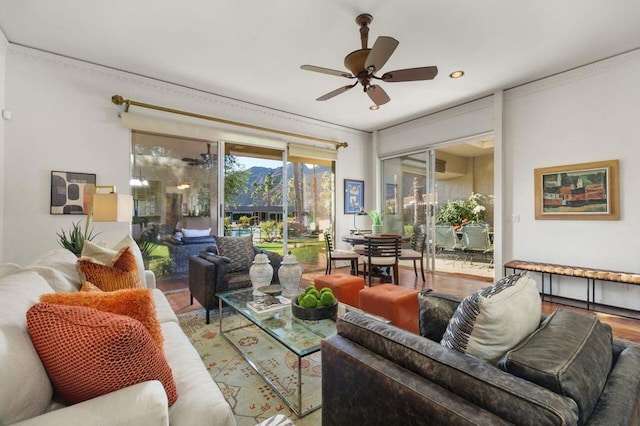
(475, 239)
(381, 251)
(337, 255)
(447, 241)
(416, 252)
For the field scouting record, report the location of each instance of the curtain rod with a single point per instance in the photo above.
(119, 100)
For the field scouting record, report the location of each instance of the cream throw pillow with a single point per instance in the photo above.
(106, 255)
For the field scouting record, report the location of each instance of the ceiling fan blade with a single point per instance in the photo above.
(378, 95)
(380, 53)
(326, 71)
(411, 74)
(335, 93)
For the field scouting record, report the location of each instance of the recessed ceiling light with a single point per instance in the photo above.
(374, 107)
(456, 74)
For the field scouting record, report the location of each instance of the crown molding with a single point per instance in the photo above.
(326, 130)
(586, 71)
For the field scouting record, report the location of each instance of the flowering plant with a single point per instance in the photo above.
(456, 213)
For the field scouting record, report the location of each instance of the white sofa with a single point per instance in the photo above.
(25, 389)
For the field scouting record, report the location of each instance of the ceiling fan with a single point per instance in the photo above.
(206, 162)
(365, 62)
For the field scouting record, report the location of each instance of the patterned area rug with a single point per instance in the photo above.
(251, 399)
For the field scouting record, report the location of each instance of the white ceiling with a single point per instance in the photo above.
(252, 50)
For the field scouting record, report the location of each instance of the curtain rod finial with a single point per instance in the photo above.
(117, 99)
(343, 145)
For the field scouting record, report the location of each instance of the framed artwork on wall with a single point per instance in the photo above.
(353, 196)
(71, 192)
(587, 191)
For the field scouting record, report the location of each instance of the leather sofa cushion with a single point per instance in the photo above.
(570, 354)
(435, 311)
(510, 397)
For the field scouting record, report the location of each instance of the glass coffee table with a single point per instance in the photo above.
(300, 338)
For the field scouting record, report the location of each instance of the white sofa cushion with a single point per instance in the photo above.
(25, 389)
(198, 395)
(143, 404)
(64, 263)
(8, 269)
(164, 311)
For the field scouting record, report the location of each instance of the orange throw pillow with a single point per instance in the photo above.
(120, 274)
(88, 287)
(136, 303)
(88, 353)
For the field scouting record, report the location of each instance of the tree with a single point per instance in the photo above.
(235, 180)
(298, 192)
(265, 189)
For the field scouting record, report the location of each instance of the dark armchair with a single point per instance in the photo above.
(224, 267)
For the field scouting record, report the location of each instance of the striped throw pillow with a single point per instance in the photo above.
(495, 319)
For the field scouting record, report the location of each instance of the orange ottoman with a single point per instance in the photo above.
(346, 288)
(397, 304)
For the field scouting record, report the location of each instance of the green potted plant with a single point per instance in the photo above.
(74, 241)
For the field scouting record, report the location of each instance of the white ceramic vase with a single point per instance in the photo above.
(377, 229)
(290, 273)
(261, 273)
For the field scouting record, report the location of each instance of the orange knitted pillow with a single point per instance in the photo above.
(120, 274)
(136, 303)
(88, 353)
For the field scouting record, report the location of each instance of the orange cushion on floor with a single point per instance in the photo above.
(346, 288)
(397, 304)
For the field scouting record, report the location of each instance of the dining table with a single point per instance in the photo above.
(359, 240)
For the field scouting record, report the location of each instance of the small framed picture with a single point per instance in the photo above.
(353, 196)
(71, 192)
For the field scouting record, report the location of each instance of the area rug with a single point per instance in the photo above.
(251, 399)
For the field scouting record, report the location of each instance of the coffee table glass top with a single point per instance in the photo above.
(299, 336)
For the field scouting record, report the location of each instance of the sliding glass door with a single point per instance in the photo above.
(451, 186)
(284, 202)
(174, 185)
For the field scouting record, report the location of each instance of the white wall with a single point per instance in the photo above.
(471, 119)
(63, 119)
(587, 114)
(3, 53)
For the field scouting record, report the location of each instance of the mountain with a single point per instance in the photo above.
(257, 175)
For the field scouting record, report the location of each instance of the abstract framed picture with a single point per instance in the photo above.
(71, 192)
(353, 196)
(586, 191)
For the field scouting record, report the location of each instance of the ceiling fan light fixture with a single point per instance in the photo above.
(456, 74)
(374, 107)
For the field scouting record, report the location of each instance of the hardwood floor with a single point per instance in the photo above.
(462, 285)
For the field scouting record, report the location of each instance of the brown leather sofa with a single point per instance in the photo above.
(209, 274)
(377, 374)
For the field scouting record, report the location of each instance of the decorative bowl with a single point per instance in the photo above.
(324, 312)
